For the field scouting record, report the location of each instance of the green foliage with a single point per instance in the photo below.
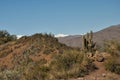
(6, 37)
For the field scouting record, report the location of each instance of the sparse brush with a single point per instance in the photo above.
(61, 61)
(112, 47)
(112, 65)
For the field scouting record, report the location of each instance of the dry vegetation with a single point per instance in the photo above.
(42, 57)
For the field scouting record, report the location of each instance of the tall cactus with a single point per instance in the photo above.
(87, 42)
(83, 42)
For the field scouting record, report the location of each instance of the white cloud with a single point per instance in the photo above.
(61, 35)
(19, 36)
(57, 35)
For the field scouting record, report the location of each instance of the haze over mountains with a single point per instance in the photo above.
(110, 33)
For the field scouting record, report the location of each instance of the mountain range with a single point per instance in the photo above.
(109, 33)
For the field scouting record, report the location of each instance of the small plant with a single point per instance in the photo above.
(47, 51)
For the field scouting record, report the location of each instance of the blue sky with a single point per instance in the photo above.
(58, 16)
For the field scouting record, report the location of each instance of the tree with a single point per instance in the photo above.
(6, 37)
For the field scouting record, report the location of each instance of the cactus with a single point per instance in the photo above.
(83, 42)
(87, 42)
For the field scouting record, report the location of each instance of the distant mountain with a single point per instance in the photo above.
(110, 33)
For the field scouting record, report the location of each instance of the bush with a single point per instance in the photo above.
(6, 37)
(112, 66)
(9, 75)
(112, 47)
(47, 51)
(35, 71)
(71, 64)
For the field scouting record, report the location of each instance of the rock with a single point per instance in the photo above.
(89, 55)
(104, 75)
(81, 79)
(99, 57)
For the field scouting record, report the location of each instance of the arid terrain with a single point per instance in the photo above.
(44, 57)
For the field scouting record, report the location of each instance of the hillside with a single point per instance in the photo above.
(41, 57)
(37, 46)
(110, 33)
